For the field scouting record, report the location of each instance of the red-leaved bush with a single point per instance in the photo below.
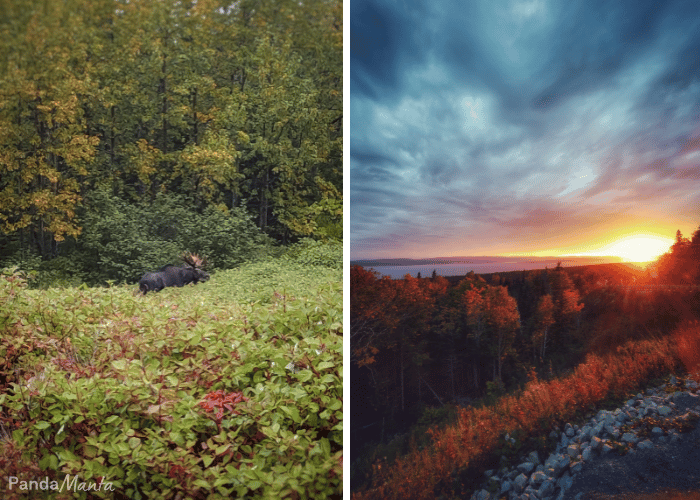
(687, 340)
(219, 401)
(535, 410)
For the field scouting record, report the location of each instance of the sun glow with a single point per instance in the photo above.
(636, 248)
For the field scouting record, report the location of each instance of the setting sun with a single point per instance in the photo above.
(636, 248)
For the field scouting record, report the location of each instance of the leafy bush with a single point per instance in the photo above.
(317, 253)
(216, 391)
(687, 342)
(121, 241)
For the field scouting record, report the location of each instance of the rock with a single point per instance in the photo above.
(579, 446)
(546, 489)
(565, 481)
(526, 467)
(482, 495)
(645, 444)
(537, 478)
(506, 486)
(664, 410)
(576, 467)
(520, 482)
(629, 437)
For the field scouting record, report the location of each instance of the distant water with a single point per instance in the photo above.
(462, 268)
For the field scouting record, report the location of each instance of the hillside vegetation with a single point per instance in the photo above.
(442, 370)
(226, 389)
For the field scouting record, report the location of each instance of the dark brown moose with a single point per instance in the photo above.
(190, 272)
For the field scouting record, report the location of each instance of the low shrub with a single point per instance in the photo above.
(687, 341)
(317, 253)
(216, 391)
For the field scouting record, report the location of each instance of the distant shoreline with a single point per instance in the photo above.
(479, 260)
(455, 268)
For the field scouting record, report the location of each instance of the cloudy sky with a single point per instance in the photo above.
(491, 127)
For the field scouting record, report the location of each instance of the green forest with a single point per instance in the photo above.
(431, 356)
(133, 130)
(134, 134)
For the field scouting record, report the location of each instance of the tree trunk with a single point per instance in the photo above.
(452, 361)
(112, 139)
(263, 200)
(403, 407)
(544, 343)
(195, 131)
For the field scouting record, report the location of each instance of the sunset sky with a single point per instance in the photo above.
(522, 127)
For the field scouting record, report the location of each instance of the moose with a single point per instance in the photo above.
(190, 272)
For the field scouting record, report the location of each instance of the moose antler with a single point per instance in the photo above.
(193, 260)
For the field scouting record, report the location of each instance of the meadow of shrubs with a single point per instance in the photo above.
(225, 389)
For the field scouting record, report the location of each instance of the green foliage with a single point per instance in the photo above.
(316, 253)
(122, 241)
(101, 383)
(494, 390)
(58, 272)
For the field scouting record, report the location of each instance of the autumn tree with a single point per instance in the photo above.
(567, 305)
(492, 315)
(504, 320)
(475, 306)
(366, 306)
(46, 148)
(390, 320)
(544, 319)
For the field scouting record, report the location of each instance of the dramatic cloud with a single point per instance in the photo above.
(492, 127)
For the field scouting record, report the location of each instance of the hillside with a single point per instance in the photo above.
(448, 366)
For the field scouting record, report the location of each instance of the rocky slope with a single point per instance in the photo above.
(651, 442)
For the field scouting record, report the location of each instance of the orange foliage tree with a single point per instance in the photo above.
(504, 319)
(544, 318)
(491, 309)
(389, 322)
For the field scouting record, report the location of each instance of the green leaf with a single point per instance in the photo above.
(41, 425)
(119, 364)
(292, 412)
(254, 485)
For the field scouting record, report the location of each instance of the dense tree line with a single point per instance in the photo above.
(233, 107)
(422, 340)
(681, 265)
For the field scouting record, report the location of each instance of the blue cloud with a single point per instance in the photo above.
(470, 120)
